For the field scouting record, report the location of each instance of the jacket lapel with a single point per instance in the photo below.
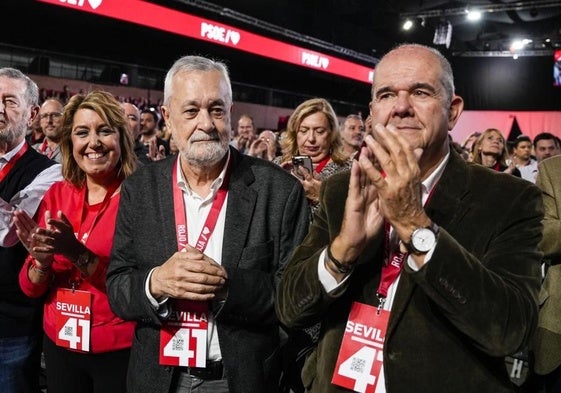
(240, 207)
(165, 194)
(446, 208)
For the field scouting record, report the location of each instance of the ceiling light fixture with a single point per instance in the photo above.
(407, 25)
(473, 15)
(518, 45)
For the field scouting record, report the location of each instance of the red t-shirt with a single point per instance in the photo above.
(108, 332)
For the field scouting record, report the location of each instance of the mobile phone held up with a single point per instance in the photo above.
(302, 161)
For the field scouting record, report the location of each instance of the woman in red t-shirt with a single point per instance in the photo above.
(86, 345)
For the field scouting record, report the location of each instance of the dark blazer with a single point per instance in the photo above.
(20, 315)
(267, 216)
(454, 320)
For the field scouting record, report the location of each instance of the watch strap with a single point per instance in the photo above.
(83, 259)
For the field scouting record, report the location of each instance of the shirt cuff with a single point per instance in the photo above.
(411, 261)
(328, 282)
(161, 306)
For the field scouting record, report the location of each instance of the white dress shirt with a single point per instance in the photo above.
(27, 199)
(197, 210)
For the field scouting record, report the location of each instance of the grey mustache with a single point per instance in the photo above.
(200, 136)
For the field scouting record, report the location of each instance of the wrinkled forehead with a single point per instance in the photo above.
(201, 86)
(12, 87)
(51, 105)
(407, 65)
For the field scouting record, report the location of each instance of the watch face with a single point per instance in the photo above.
(423, 239)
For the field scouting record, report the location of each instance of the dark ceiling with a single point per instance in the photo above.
(372, 27)
(357, 30)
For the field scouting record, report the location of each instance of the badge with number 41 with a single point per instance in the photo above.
(183, 337)
(359, 365)
(73, 319)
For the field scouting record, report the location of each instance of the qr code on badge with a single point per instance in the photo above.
(69, 331)
(178, 344)
(358, 365)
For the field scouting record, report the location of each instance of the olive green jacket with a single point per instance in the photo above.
(547, 343)
(453, 321)
(549, 181)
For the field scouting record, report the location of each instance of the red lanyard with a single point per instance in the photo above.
(44, 147)
(13, 161)
(77, 222)
(322, 163)
(392, 262)
(211, 220)
(83, 236)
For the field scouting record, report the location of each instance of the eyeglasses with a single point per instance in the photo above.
(51, 115)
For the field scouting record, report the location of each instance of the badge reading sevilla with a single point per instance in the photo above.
(183, 337)
(360, 363)
(73, 319)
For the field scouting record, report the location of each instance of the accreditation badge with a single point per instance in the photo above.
(183, 336)
(359, 365)
(73, 319)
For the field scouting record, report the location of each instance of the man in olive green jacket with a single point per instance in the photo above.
(547, 344)
(549, 181)
(467, 293)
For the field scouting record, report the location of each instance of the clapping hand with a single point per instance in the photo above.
(397, 179)
(28, 233)
(61, 235)
(362, 219)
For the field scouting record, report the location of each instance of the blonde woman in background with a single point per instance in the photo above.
(312, 130)
(489, 149)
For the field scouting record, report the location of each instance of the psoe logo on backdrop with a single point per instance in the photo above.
(314, 60)
(219, 33)
(80, 3)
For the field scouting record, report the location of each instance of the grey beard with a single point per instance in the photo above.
(208, 158)
(9, 136)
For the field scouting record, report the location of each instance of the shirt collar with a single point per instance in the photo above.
(184, 185)
(428, 184)
(9, 155)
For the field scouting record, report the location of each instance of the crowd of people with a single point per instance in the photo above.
(166, 249)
